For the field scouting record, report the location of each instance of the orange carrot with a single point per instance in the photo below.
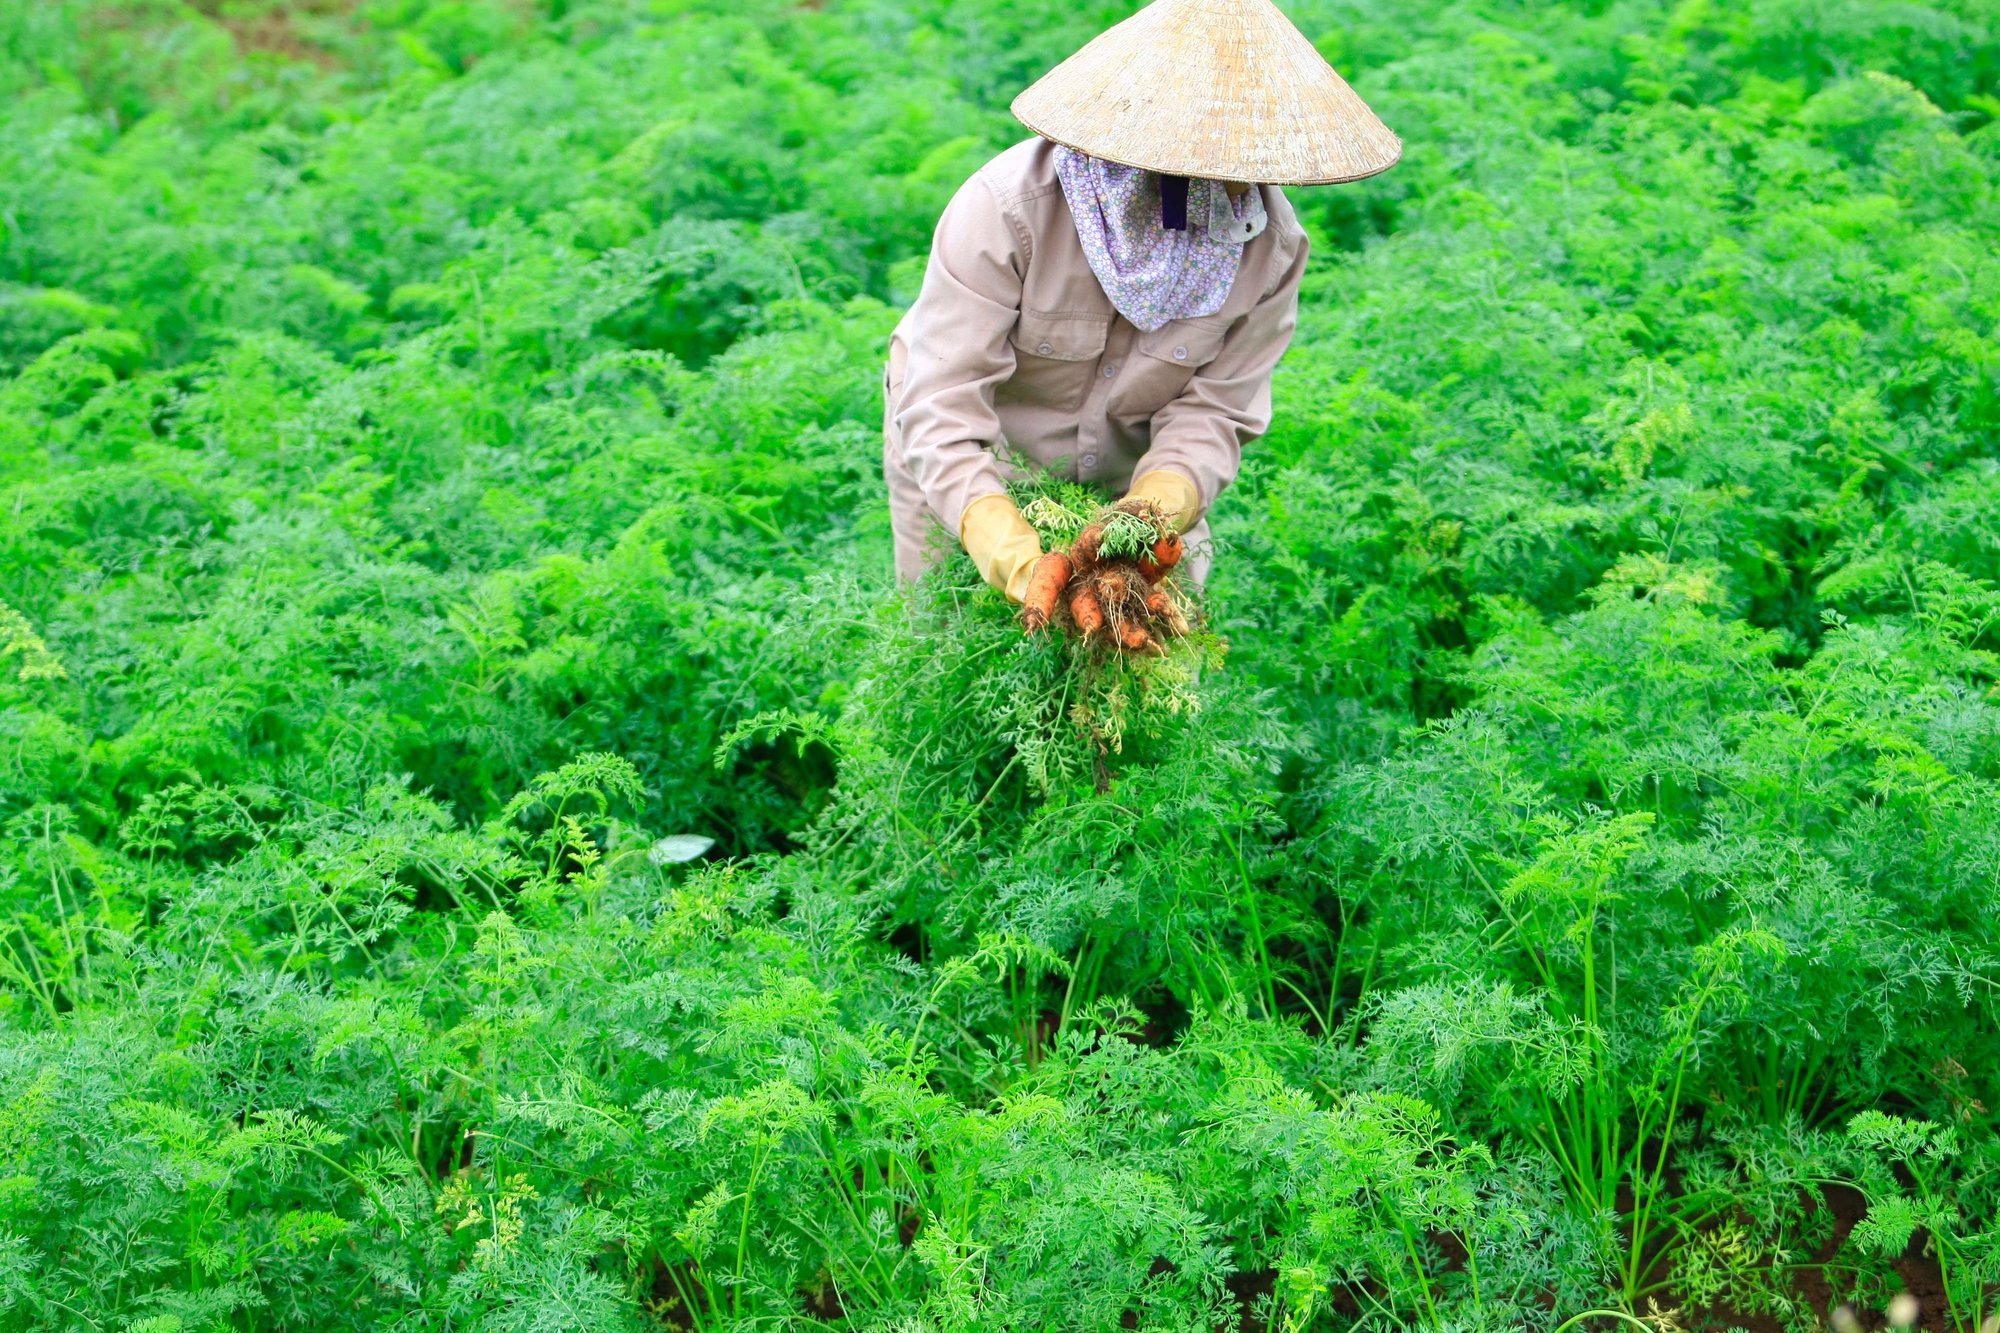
(1083, 552)
(1133, 636)
(1045, 589)
(1087, 611)
(1167, 617)
(1114, 583)
(1166, 553)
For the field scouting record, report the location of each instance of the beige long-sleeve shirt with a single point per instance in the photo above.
(1013, 348)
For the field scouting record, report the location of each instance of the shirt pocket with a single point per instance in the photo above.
(1055, 359)
(1163, 362)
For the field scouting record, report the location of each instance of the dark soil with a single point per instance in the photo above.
(276, 31)
(1918, 1271)
(1920, 1274)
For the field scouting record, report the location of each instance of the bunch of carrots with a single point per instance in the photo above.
(1112, 581)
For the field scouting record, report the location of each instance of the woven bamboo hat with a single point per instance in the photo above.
(1214, 89)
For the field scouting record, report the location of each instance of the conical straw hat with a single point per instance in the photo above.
(1214, 89)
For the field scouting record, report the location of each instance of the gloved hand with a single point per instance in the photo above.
(1002, 545)
(1173, 494)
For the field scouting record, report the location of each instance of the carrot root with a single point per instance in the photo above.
(1167, 615)
(1045, 589)
(1114, 585)
(1087, 611)
(1166, 553)
(1084, 551)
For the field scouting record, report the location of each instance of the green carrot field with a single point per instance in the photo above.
(486, 846)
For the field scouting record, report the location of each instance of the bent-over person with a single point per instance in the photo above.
(1107, 301)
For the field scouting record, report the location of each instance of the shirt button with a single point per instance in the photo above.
(1180, 354)
(1090, 460)
(1045, 349)
(1110, 372)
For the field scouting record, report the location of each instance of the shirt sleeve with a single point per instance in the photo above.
(1227, 404)
(958, 348)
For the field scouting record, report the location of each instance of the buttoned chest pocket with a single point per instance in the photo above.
(1163, 362)
(1055, 359)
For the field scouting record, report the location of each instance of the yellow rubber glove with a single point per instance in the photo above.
(1002, 545)
(1174, 494)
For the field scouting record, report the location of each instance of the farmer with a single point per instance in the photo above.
(1107, 301)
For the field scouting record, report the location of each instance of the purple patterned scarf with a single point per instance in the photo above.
(1154, 275)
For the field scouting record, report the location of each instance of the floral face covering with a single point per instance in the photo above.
(1154, 273)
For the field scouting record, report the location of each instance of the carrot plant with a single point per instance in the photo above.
(1968, 1256)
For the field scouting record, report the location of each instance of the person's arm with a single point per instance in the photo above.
(958, 348)
(1198, 438)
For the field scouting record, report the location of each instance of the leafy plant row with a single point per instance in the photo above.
(483, 842)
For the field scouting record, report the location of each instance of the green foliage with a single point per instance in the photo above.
(483, 844)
